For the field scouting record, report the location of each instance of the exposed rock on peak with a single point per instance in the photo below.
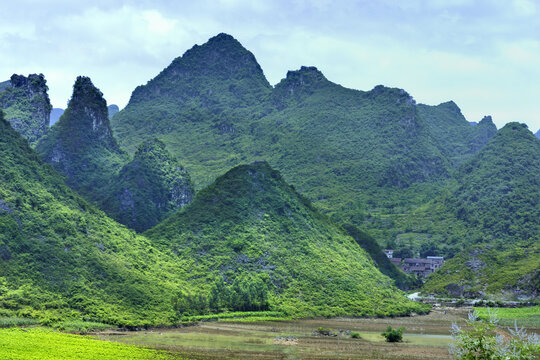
(221, 70)
(299, 83)
(486, 120)
(81, 145)
(26, 104)
(88, 104)
(393, 95)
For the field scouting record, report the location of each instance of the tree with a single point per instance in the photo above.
(393, 335)
(484, 340)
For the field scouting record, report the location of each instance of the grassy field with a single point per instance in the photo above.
(525, 316)
(44, 344)
(425, 337)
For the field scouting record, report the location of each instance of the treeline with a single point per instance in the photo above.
(246, 293)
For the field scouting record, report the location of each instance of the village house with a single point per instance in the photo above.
(416, 266)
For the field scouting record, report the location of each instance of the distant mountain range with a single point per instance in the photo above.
(236, 195)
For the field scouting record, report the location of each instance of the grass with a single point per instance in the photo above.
(49, 344)
(525, 316)
(239, 315)
(6, 322)
(82, 326)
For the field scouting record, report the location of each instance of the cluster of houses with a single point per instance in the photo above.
(416, 266)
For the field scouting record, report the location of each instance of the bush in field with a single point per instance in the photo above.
(355, 335)
(393, 335)
(484, 340)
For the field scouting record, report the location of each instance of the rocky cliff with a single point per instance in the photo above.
(26, 105)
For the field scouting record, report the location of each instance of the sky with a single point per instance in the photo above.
(482, 54)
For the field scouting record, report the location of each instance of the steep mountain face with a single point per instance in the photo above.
(26, 105)
(457, 139)
(497, 199)
(338, 146)
(250, 221)
(381, 261)
(55, 115)
(148, 188)
(81, 145)
(62, 258)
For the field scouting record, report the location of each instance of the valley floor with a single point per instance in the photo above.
(425, 337)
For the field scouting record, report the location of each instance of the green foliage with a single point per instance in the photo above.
(350, 152)
(80, 145)
(524, 316)
(402, 280)
(139, 192)
(26, 104)
(355, 335)
(251, 222)
(393, 335)
(63, 259)
(48, 344)
(246, 293)
(148, 188)
(482, 340)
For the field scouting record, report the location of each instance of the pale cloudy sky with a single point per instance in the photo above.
(483, 54)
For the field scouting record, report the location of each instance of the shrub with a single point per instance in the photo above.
(393, 335)
(483, 340)
(355, 335)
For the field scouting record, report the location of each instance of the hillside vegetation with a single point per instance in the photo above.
(137, 192)
(353, 153)
(26, 105)
(250, 223)
(63, 259)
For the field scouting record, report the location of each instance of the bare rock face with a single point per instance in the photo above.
(26, 105)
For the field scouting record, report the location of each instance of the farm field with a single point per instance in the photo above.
(425, 337)
(45, 344)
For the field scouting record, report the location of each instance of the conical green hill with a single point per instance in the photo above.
(250, 222)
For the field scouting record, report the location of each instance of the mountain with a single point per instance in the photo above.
(137, 192)
(250, 222)
(351, 152)
(454, 133)
(55, 115)
(381, 261)
(81, 145)
(537, 134)
(496, 201)
(148, 188)
(26, 105)
(112, 110)
(62, 258)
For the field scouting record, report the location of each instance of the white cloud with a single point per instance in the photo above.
(482, 54)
